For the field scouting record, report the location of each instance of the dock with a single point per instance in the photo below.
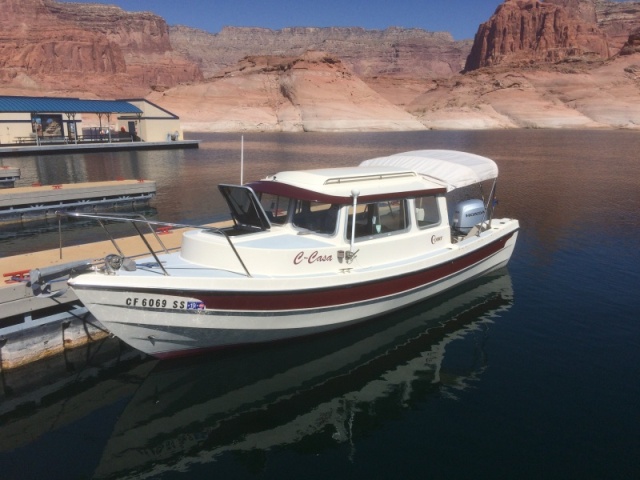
(51, 149)
(42, 201)
(36, 327)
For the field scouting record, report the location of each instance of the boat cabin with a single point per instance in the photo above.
(339, 218)
(386, 201)
(324, 219)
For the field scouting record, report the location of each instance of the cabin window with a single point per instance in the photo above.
(316, 216)
(276, 207)
(379, 218)
(427, 211)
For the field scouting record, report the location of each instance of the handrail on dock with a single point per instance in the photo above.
(137, 221)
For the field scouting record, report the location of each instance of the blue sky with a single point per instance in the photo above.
(459, 17)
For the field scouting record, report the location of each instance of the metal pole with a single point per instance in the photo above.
(37, 136)
(355, 194)
(60, 234)
(241, 159)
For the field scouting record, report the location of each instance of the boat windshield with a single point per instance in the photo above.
(276, 207)
(245, 207)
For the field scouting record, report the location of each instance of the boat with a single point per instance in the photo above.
(307, 252)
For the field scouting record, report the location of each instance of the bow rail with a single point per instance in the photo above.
(140, 224)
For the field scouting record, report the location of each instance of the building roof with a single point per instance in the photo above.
(64, 105)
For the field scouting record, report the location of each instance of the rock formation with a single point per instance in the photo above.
(584, 10)
(633, 43)
(549, 68)
(525, 31)
(45, 45)
(618, 20)
(573, 95)
(395, 51)
(313, 92)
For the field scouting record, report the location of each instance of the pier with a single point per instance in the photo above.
(42, 201)
(104, 146)
(41, 323)
(34, 327)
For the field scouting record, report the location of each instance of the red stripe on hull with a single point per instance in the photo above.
(252, 301)
(331, 297)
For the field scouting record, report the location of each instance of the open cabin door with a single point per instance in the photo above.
(245, 208)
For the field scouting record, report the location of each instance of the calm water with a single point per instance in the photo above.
(531, 373)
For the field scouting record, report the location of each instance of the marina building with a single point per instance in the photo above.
(44, 121)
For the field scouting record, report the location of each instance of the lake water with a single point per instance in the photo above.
(531, 373)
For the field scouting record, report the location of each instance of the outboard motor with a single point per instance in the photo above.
(467, 214)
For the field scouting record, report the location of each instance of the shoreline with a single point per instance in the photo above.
(604, 128)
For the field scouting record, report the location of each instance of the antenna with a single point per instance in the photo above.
(241, 159)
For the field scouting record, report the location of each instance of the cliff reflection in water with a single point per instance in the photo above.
(324, 391)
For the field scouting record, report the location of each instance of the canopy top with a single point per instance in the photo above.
(450, 168)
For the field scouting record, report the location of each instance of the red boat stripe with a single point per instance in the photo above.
(331, 297)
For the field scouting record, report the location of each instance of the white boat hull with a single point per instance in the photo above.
(178, 321)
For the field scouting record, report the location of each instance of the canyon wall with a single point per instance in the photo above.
(533, 64)
(311, 92)
(527, 31)
(618, 20)
(368, 53)
(101, 49)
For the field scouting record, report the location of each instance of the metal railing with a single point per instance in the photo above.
(139, 222)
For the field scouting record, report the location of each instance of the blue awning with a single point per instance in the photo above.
(64, 105)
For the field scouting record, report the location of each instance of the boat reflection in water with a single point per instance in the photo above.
(193, 412)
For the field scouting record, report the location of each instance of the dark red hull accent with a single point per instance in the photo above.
(286, 190)
(249, 301)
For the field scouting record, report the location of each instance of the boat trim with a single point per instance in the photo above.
(274, 300)
(286, 190)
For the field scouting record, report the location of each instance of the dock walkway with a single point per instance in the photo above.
(24, 149)
(38, 201)
(37, 327)
(33, 327)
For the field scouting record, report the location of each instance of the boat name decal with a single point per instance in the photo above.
(164, 303)
(435, 239)
(313, 257)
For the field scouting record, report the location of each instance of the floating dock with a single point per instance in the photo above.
(34, 327)
(42, 201)
(18, 149)
(8, 176)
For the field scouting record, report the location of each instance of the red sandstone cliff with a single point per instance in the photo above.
(528, 31)
(50, 46)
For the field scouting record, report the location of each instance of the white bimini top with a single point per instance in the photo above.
(449, 168)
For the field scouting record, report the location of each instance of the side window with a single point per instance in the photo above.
(427, 212)
(379, 218)
(276, 207)
(316, 216)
